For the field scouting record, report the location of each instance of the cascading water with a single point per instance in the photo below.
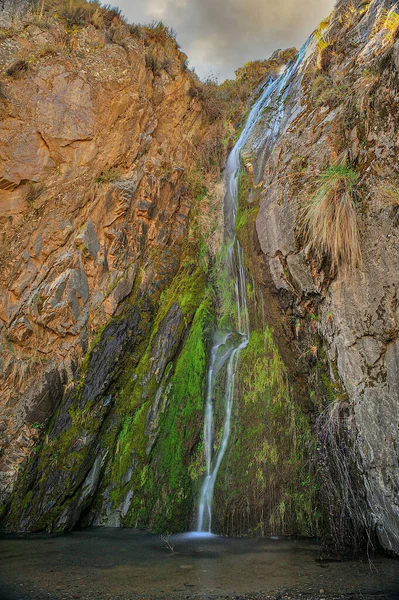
(227, 345)
(226, 348)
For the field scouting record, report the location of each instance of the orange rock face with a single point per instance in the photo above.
(93, 149)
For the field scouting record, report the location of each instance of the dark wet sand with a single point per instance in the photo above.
(105, 564)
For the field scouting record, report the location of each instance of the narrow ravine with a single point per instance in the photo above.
(228, 344)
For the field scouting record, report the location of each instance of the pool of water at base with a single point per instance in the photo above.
(126, 564)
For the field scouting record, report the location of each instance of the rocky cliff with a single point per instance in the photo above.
(112, 277)
(97, 136)
(111, 153)
(325, 165)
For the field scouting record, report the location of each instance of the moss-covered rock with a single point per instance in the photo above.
(266, 485)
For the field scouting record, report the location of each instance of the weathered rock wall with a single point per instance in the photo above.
(96, 140)
(341, 107)
(107, 304)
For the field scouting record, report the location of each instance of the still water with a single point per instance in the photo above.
(126, 564)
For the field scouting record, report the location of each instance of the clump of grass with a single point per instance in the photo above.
(156, 65)
(151, 62)
(324, 24)
(387, 194)
(34, 191)
(214, 98)
(108, 175)
(328, 219)
(159, 32)
(365, 86)
(323, 45)
(79, 13)
(364, 8)
(112, 15)
(5, 33)
(136, 30)
(388, 21)
(324, 91)
(349, 16)
(17, 68)
(322, 42)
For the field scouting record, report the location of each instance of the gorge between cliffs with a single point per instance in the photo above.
(199, 312)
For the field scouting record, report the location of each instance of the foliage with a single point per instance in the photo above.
(346, 509)
(390, 22)
(157, 31)
(272, 487)
(349, 15)
(108, 175)
(165, 473)
(328, 218)
(78, 13)
(151, 62)
(210, 153)
(324, 91)
(212, 96)
(322, 42)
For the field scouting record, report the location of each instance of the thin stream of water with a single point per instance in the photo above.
(227, 345)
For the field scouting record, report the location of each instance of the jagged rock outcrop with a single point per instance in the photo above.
(341, 108)
(109, 293)
(96, 139)
(111, 153)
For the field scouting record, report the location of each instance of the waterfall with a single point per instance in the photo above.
(227, 345)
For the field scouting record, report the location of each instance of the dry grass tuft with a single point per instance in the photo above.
(79, 13)
(17, 68)
(108, 175)
(387, 195)
(157, 31)
(328, 219)
(349, 16)
(364, 87)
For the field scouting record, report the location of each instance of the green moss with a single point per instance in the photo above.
(153, 457)
(180, 443)
(165, 474)
(246, 217)
(266, 484)
(66, 456)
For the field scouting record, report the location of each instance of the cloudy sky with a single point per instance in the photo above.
(221, 35)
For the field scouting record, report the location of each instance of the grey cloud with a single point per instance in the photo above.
(221, 35)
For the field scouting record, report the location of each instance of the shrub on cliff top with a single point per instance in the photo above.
(81, 12)
(328, 219)
(157, 31)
